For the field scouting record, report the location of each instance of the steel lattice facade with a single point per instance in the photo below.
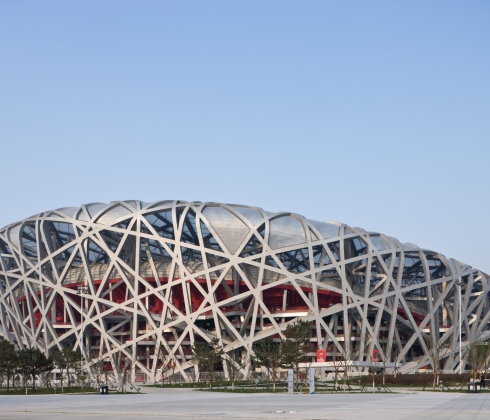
(165, 275)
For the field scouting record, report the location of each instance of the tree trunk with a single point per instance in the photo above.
(13, 381)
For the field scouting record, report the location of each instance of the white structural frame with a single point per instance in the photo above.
(163, 276)
(459, 284)
(81, 290)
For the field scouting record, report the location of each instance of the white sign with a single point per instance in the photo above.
(290, 381)
(312, 380)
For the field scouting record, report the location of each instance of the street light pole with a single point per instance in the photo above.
(459, 284)
(82, 290)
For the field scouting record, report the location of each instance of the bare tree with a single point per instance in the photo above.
(388, 353)
(234, 369)
(375, 355)
(338, 359)
(102, 370)
(168, 365)
(436, 352)
(125, 365)
(342, 358)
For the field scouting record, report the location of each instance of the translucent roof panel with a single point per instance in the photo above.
(113, 214)
(286, 231)
(231, 230)
(250, 214)
(379, 243)
(327, 230)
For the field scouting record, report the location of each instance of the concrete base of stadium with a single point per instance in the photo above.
(186, 404)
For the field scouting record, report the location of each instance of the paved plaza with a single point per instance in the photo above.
(187, 404)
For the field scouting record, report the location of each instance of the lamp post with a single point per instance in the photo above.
(82, 290)
(460, 283)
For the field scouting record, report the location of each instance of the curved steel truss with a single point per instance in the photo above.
(163, 276)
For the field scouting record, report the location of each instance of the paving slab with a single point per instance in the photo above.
(186, 404)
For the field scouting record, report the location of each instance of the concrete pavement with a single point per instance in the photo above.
(186, 404)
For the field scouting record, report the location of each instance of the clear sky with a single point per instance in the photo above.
(371, 113)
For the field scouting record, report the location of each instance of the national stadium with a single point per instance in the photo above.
(149, 280)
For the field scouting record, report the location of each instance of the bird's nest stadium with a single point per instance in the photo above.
(149, 280)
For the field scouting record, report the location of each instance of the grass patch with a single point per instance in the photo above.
(57, 391)
(46, 391)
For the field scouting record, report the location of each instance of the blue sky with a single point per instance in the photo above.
(371, 113)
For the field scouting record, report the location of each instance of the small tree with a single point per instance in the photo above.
(168, 364)
(98, 366)
(342, 356)
(126, 373)
(337, 360)
(268, 355)
(67, 359)
(477, 357)
(8, 361)
(436, 351)
(233, 369)
(206, 356)
(389, 352)
(372, 358)
(124, 366)
(102, 369)
(33, 362)
(295, 347)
